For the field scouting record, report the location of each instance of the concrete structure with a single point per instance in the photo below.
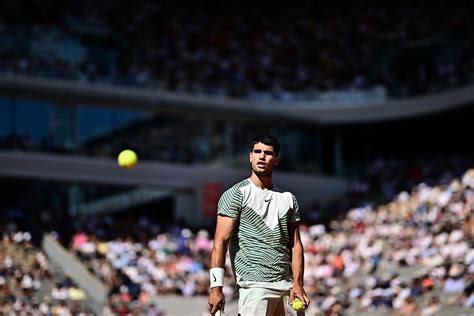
(350, 110)
(194, 188)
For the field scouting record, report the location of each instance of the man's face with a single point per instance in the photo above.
(263, 159)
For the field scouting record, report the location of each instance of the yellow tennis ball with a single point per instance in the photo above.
(127, 159)
(298, 305)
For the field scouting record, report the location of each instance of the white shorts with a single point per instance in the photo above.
(265, 302)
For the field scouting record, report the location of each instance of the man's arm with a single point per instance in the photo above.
(224, 228)
(297, 264)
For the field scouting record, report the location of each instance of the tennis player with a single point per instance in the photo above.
(258, 222)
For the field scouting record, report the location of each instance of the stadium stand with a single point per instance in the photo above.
(184, 139)
(254, 52)
(178, 139)
(400, 243)
(394, 256)
(365, 263)
(138, 265)
(28, 284)
(410, 255)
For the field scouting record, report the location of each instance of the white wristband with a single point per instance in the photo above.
(216, 276)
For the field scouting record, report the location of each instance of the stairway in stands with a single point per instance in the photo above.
(58, 276)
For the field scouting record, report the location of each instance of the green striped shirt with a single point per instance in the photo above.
(260, 244)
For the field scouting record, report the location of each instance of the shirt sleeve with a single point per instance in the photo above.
(230, 203)
(295, 211)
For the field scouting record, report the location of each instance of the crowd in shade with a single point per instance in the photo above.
(25, 279)
(260, 52)
(216, 141)
(24, 142)
(410, 256)
(384, 176)
(187, 145)
(387, 175)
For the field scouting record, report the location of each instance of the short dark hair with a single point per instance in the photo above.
(268, 140)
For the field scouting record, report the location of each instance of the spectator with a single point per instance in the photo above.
(433, 306)
(255, 52)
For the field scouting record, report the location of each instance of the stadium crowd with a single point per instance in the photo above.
(24, 271)
(356, 255)
(141, 262)
(254, 52)
(411, 256)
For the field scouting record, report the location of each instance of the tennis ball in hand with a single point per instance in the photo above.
(298, 305)
(127, 159)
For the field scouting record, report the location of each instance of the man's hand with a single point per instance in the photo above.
(299, 292)
(216, 300)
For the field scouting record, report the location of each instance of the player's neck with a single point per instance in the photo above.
(262, 182)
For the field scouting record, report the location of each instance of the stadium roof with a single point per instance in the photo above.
(152, 100)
